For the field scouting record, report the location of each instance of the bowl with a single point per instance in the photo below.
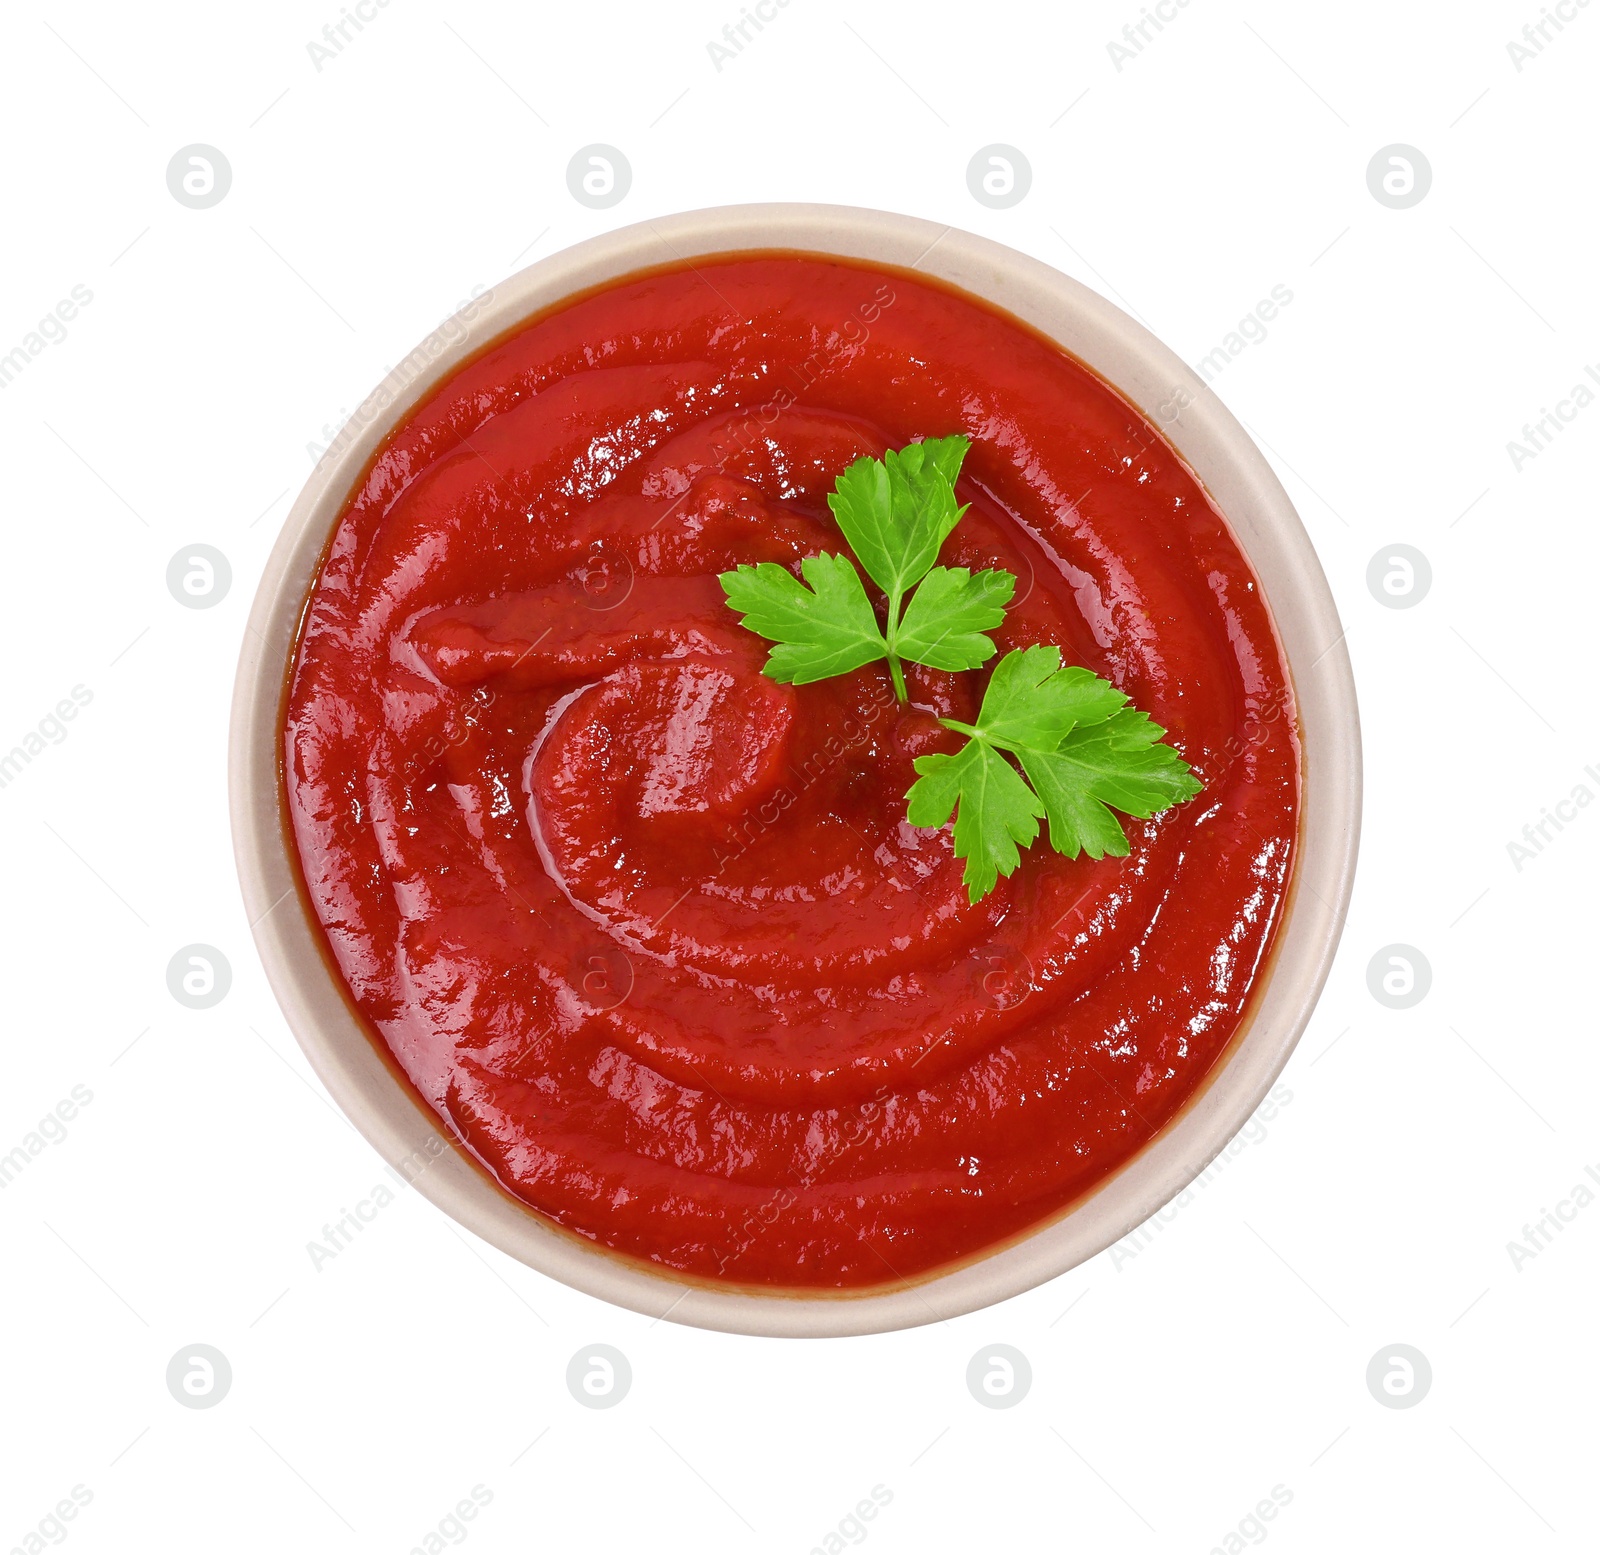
(352, 1062)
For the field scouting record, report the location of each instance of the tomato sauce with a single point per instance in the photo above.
(649, 932)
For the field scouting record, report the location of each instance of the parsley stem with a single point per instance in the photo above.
(892, 621)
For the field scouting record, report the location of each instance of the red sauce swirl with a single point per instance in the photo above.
(650, 932)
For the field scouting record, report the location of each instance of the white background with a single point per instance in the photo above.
(1172, 1391)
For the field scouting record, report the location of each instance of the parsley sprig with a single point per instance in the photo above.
(1078, 743)
(1083, 752)
(896, 512)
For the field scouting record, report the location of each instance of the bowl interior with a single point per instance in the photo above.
(362, 1078)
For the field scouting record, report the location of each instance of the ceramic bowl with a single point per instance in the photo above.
(352, 1063)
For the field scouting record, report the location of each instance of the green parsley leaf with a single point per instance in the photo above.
(897, 511)
(1115, 763)
(1031, 701)
(997, 810)
(951, 609)
(1080, 745)
(824, 630)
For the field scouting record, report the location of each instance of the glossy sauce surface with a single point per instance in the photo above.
(650, 932)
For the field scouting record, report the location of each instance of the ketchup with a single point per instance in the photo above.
(650, 932)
